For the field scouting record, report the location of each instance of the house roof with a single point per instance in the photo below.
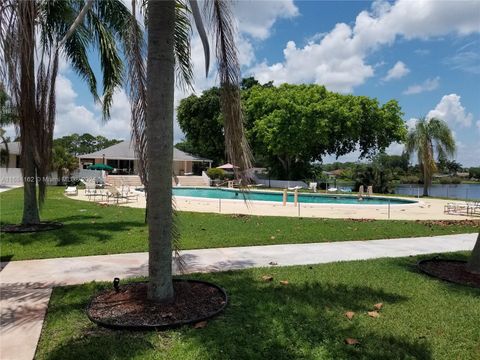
(125, 151)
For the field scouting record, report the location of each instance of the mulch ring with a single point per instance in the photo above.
(129, 308)
(450, 270)
(20, 228)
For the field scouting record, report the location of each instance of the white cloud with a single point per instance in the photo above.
(427, 85)
(450, 109)
(466, 59)
(71, 117)
(256, 18)
(395, 149)
(478, 125)
(411, 123)
(398, 71)
(338, 59)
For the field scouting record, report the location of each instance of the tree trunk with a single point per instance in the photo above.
(425, 181)
(474, 261)
(160, 91)
(27, 112)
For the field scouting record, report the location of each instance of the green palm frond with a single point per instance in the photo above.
(430, 136)
(236, 145)
(135, 50)
(110, 62)
(183, 29)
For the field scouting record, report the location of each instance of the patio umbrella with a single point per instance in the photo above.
(227, 166)
(100, 167)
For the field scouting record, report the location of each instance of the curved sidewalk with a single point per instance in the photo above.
(26, 285)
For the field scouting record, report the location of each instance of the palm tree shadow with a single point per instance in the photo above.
(264, 320)
(73, 233)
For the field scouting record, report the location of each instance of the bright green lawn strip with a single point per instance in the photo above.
(422, 318)
(92, 229)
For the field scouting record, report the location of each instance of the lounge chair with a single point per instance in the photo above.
(113, 194)
(127, 194)
(466, 208)
(294, 188)
(332, 189)
(71, 191)
(473, 208)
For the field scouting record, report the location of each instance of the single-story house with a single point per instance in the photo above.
(13, 160)
(122, 157)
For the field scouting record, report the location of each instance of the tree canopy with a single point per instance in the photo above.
(76, 144)
(290, 126)
(200, 118)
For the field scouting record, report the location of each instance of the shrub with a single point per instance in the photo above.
(450, 180)
(215, 173)
(411, 179)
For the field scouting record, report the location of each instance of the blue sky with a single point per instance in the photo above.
(425, 54)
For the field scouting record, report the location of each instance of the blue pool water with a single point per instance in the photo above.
(233, 194)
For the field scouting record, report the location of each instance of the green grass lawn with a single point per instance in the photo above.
(93, 229)
(422, 318)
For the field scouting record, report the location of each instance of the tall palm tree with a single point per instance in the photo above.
(33, 36)
(156, 147)
(430, 136)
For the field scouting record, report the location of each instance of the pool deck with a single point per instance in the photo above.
(424, 209)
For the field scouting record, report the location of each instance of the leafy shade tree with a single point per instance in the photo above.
(84, 144)
(295, 125)
(33, 34)
(379, 174)
(292, 126)
(430, 137)
(474, 172)
(200, 118)
(62, 160)
(449, 166)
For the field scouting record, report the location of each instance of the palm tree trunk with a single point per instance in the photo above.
(27, 112)
(425, 181)
(160, 92)
(474, 261)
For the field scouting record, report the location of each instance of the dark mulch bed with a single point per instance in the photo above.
(450, 270)
(446, 223)
(20, 228)
(129, 308)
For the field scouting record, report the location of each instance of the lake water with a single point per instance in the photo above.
(460, 191)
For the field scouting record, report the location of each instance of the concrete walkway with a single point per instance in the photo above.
(26, 285)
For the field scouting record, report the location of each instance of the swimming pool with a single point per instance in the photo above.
(233, 194)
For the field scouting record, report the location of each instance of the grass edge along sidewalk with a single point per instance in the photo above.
(304, 318)
(93, 229)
